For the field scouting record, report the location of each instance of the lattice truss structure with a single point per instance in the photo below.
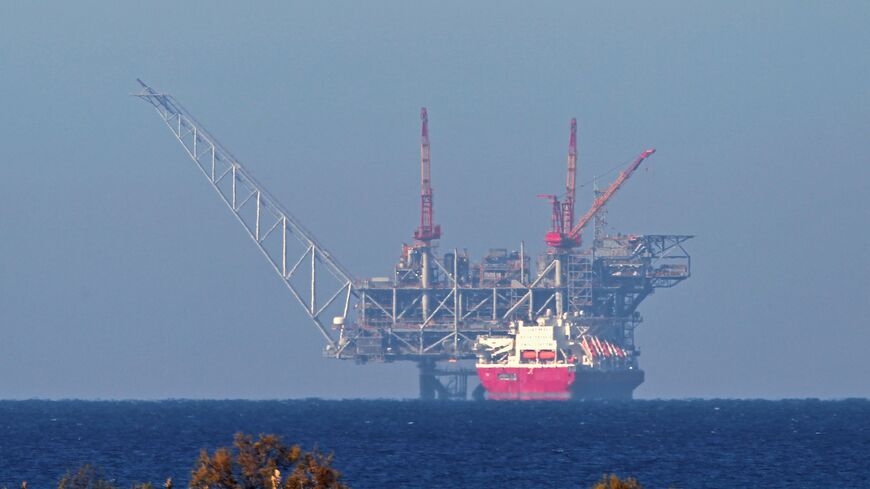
(627, 269)
(394, 323)
(292, 251)
(602, 293)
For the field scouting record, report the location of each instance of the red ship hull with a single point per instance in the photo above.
(550, 382)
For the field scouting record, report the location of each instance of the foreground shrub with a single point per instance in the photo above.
(90, 477)
(86, 477)
(263, 463)
(614, 482)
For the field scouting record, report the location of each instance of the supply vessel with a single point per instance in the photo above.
(554, 358)
(571, 304)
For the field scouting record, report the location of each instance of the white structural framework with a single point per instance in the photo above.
(294, 253)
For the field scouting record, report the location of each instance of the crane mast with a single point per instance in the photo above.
(563, 211)
(292, 251)
(571, 185)
(427, 231)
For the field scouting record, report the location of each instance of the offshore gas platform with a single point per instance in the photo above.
(438, 309)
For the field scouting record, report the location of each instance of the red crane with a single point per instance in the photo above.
(427, 230)
(556, 234)
(571, 185)
(563, 212)
(574, 234)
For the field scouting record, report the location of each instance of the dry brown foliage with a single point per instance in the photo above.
(264, 463)
(614, 482)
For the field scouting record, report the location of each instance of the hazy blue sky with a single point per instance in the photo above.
(123, 276)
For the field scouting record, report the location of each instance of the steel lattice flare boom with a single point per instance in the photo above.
(268, 223)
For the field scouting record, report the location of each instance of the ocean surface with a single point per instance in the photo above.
(398, 444)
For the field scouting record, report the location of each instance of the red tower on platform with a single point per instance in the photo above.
(427, 231)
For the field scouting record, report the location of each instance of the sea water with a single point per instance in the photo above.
(407, 444)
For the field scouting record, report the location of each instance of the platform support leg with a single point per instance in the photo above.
(428, 381)
(430, 387)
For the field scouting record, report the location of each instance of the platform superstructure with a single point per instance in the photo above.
(437, 301)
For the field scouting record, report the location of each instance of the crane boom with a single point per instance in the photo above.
(265, 220)
(603, 198)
